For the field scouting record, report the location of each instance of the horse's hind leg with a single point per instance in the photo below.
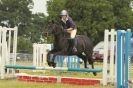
(90, 61)
(83, 57)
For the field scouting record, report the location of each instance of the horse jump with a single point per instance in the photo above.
(6, 40)
(5, 48)
(40, 55)
(119, 60)
(109, 61)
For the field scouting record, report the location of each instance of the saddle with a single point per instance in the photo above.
(75, 39)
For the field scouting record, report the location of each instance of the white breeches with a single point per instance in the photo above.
(72, 33)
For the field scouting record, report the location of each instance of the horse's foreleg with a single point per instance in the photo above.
(53, 61)
(54, 55)
(49, 58)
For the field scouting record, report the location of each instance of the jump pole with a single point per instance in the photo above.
(51, 68)
(127, 56)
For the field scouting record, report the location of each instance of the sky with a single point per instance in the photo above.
(40, 6)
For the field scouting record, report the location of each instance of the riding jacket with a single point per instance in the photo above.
(69, 23)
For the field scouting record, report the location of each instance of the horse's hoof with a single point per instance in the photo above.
(49, 64)
(108, 71)
(94, 73)
(54, 65)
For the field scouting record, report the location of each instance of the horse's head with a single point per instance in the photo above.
(54, 28)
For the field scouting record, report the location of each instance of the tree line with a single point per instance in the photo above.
(92, 17)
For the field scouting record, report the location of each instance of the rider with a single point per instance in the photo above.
(70, 27)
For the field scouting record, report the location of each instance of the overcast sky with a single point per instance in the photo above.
(40, 6)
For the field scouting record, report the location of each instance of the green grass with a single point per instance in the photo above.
(21, 84)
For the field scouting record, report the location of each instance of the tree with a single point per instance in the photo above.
(54, 8)
(24, 45)
(37, 27)
(30, 26)
(123, 13)
(92, 16)
(15, 12)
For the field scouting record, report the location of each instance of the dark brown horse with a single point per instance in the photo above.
(83, 44)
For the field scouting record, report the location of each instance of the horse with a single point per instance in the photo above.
(83, 45)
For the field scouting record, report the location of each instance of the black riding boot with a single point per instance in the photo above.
(69, 49)
(73, 45)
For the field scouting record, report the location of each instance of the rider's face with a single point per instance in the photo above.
(64, 17)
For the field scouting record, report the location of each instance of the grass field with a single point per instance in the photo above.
(20, 84)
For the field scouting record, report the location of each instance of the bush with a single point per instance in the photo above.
(24, 45)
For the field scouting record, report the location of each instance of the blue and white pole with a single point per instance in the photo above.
(127, 56)
(53, 69)
(123, 57)
(120, 59)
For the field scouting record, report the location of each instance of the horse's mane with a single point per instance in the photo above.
(55, 22)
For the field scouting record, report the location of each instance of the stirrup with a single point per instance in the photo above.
(74, 49)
